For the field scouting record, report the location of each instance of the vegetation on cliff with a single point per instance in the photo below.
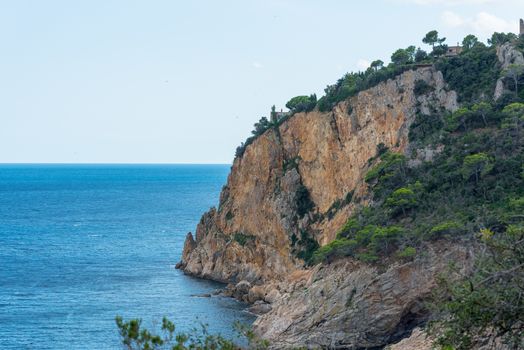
(471, 190)
(461, 180)
(468, 186)
(473, 74)
(489, 301)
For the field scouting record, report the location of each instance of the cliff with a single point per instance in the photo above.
(416, 176)
(300, 182)
(292, 189)
(351, 305)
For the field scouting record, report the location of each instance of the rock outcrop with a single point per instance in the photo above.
(351, 305)
(299, 183)
(291, 190)
(507, 55)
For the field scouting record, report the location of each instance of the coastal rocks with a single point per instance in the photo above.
(255, 294)
(273, 296)
(282, 192)
(243, 287)
(260, 308)
(349, 304)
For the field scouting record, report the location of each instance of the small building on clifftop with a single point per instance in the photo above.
(453, 50)
(521, 27)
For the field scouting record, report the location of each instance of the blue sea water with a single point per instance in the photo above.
(80, 244)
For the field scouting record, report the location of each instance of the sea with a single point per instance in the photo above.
(81, 244)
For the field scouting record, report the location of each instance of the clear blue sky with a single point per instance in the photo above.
(183, 81)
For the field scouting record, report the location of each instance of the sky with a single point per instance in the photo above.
(166, 81)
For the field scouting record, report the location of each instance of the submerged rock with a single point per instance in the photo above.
(204, 295)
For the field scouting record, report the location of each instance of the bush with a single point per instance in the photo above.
(302, 103)
(425, 129)
(242, 238)
(305, 247)
(401, 200)
(477, 166)
(135, 337)
(445, 228)
(472, 74)
(337, 248)
(489, 302)
(407, 253)
(388, 167)
(385, 239)
(303, 201)
(349, 229)
(422, 88)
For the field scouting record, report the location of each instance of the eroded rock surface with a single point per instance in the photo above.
(507, 55)
(260, 226)
(298, 184)
(352, 305)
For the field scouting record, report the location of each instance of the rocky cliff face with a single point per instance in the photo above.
(352, 305)
(507, 55)
(299, 183)
(293, 188)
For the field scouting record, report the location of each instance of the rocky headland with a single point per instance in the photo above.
(292, 190)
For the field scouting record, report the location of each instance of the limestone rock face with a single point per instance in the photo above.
(507, 55)
(352, 305)
(282, 191)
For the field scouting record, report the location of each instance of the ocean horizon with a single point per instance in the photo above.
(82, 243)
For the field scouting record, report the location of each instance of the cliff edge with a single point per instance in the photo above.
(296, 185)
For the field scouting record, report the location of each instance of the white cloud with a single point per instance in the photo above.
(363, 64)
(482, 23)
(257, 65)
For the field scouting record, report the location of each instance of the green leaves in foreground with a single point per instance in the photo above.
(135, 337)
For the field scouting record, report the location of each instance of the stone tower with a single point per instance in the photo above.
(521, 26)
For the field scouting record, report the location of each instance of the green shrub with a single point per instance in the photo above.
(422, 88)
(401, 200)
(385, 239)
(303, 201)
(444, 228)
(337, 248)
(477, 166)
(302, 103)
(289, 164)
(337, 204)
(134, 336)
(367, 257)
(407, 253)
(472, 74)
(242, 238)
(517, 204)
(487, 302)
(349, 229)
(426, 129)
(305, 247)
(390, 163)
